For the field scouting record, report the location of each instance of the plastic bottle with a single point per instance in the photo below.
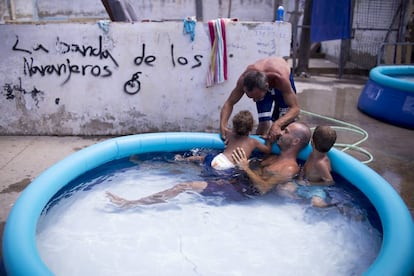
(280, 13)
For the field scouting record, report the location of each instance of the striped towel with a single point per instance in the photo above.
(217, 71)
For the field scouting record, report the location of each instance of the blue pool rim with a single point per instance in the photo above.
(21, 257)
(389, 98)
(384, 75)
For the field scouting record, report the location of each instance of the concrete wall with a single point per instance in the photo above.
(91, 79)
(57, 10)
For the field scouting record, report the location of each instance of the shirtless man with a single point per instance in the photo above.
(316, 171)
(274, 170)
(266, 81)
(277, 169)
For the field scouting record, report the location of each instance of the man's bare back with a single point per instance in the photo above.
(255, 82)
(275, 69)
(247, 143)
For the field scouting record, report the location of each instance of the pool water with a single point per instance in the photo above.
(409, 78)
(80, 232)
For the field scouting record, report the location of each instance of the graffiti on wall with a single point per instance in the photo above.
(133, 85)
(11, 91)
(31, 66)
(65, 69)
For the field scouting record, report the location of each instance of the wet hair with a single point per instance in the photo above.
(255, 79)
(243, 123)
(324, 138)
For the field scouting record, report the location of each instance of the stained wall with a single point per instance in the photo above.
(122, 78)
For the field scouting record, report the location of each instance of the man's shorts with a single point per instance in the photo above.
(264, 107)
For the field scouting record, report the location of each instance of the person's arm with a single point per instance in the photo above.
(265, 148)
(227, 108)
(289, 96)
(263, 128)
(264, 182)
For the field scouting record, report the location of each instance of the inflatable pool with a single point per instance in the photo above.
(19, 241)
(389, 95)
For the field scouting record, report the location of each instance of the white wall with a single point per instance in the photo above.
(86, 93)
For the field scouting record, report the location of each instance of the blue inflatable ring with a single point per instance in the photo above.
(19, 241)
(388, 96)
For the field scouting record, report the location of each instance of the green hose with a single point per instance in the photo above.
(347, 127)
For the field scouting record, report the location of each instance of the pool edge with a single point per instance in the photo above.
(19, 241)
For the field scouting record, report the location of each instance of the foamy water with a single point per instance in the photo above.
(194, 235)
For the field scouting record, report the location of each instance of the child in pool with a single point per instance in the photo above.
(317, 168)
(316, 171)
(238, 137)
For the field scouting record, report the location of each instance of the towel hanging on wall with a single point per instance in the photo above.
(189, 26)
(217, 71)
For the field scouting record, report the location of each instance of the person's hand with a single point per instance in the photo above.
(274, 132)
(223, 135)
(240, 159)
(265, 137)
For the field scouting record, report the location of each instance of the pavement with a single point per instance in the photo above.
(23, 158)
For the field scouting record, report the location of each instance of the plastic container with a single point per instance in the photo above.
(280, 13)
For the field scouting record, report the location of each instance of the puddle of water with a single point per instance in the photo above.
(16, 187)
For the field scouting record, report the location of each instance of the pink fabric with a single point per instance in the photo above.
(217, 72)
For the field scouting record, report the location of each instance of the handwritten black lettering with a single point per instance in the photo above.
(62, 47)
(38, 47)
(30, 69)
(41, 47)
(68, 68)
(198, 59)
(96, 71)
(183, 60)
(133, 85)
(148, 60)
(108, 72)
(172, 55)
(18, 49)
(86, 50)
